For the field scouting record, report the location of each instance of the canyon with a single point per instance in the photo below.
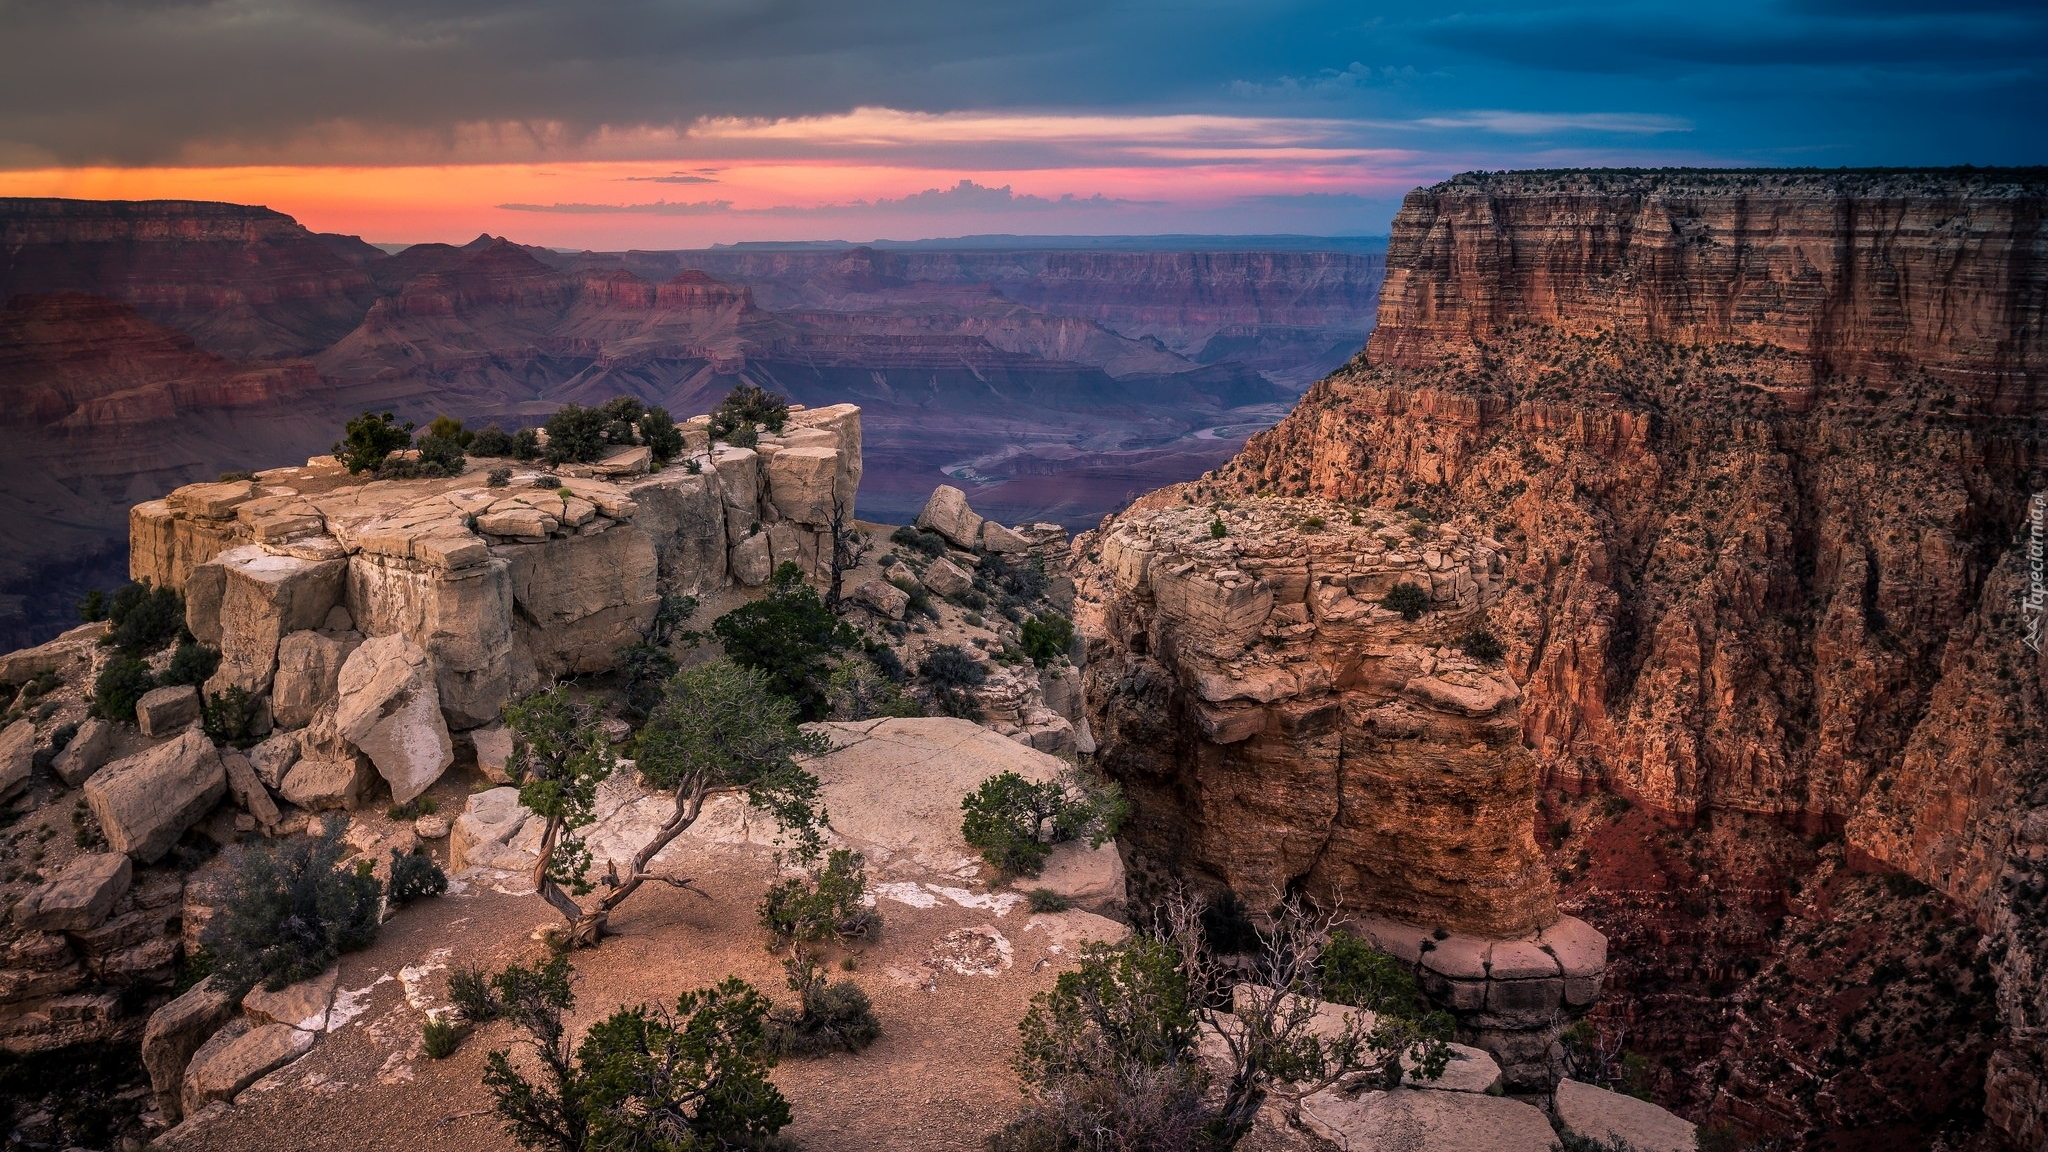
(1756, 448)
(1055, 385)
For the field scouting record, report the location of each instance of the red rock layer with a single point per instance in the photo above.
(1760, 446)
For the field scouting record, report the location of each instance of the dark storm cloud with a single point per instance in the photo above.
(152, 81)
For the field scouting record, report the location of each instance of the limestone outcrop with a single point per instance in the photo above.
(501, 587)
(145, 802)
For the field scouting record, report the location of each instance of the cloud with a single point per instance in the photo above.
(1547, 123)
(674, 178)
(966, 196)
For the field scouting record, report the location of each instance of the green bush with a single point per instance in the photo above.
(790, 636)
(121, 685)
(742, 409)
(1014, 822)
(828, 903)
(1047, 636)
(859, 690)
(829, 1018)
(369, 438)
(1216, 529)
(949, 671)
(1407, 599)
(641, 1078)
(919, 540)
(642, 669)
(289, 913)
(1482, 644)
(440, 1038)
(228, 717)
(92, 607)
(658, 431)
(1354, 972)
(469, 989)
(144, 619)
(192, 663)
(575, 435)
(621, 419)
(1047, 900)
(526, 444)
(492, 441)
(415, 876)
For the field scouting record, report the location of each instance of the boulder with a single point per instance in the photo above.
(493, 752)
(145, 802)
(996, 538)
(1469, 1070)
(488, 822)
(163, 711)
(1407, 1120)
(388, 707)
(580, 599)
(308, 668)
(948, 514)
(174, 1032)
(303, 1005)
(274, 757)
(883, 597)
(1597, 1114)
(801, 482)
(226, 1064)
(59, 655)
(263, 596)
(317, 783)
(17, 756)
(84, 755)
(947, 578)
(432, 826)
(249, 791)
(751, 561)
(80, 897)
(1091, 878)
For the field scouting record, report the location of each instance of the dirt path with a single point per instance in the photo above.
(937, 1079)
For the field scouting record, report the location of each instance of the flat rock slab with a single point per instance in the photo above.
(163, 711)
(80, 897)
(17, 756)
(1470, 1070)
(84, 755)
(1598, 1114)
(219, 1072)
(174, 1032)
(145, 802)
(303, 1005)
(1406, 1120)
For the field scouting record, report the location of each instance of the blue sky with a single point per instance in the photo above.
(645, 121)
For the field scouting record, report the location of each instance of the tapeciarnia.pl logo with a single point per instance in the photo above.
(2034, 605)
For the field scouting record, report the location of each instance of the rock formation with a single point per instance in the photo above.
(1757, 447)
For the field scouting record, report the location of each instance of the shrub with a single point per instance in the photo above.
(919, 540)
(1216, 529)
(858, 690)
(120, 686)
(641, 1078)
(1014, 822)
(1356, 973)
(500, 477)
(1407, 599)
(526, 444)
(439, 455)
(642, 670)
(144, 619)
(790, 636)
(1482, 644)
(693, 466)
(575, 435)
(1047, 636)
(492, 441)
(369, 438)
(743, 408)
(288, 913)
(949, 671)
(1024, 580)
(744, 436)
(1313, 523)
(829, 1018)
(415, 876)
(658, 431)
(469, 989)
(227, 717)
(827, 904)
(621, 418)
(92, 607)
(192, 663)
(439, 1038)
(1047, 900)
(413, 809)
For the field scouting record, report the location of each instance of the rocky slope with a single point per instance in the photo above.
(1757, 446)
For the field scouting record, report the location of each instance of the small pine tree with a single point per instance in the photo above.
(369, 438)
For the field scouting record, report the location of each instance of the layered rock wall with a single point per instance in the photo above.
(1759, 449)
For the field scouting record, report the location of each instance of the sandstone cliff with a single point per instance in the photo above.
(1757, 447)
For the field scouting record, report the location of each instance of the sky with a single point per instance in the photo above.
(681, 123)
